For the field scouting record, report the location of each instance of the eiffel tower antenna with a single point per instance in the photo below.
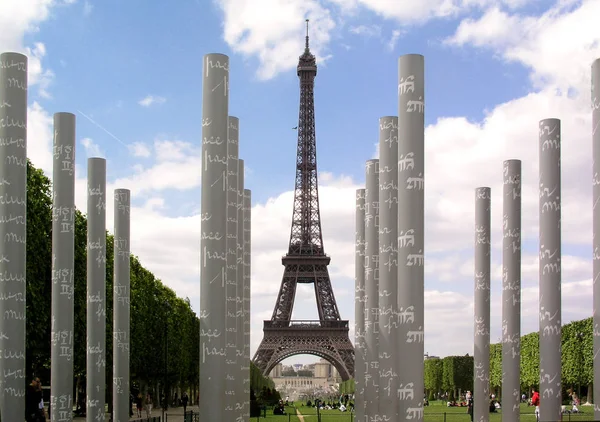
(306, 48)
(306, 261)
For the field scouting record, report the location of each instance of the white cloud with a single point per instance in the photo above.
(19, 18)
(273, 31)
(545, 44)
(87, 8)
(39, 137)
(23, 17)
(139, 149)
(365, 30)
(396, 34)
(91, 148)
(177, 167)
(149, 100)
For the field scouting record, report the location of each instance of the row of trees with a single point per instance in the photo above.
(164, 344)
(165, 331)
(451, 374)
(454, 373)
(577, 363)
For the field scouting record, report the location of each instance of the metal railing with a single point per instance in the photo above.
(150, 419)
(188, 416)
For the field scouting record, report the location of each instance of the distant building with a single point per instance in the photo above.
(428, 356)
(325, 378)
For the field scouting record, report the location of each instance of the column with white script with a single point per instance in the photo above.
(121, 302)
(239, 295)
(13, 232)
(359, 307)
(213, 243)
(372, 290)
(63, 267)
(481, 354)
(596, 230)
(411, 235)
(232, 270)
(511, 291)
(388, 267)
(96, 289)
(550, 269)
(247, 291)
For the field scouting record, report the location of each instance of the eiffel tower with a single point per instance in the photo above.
(306, 261)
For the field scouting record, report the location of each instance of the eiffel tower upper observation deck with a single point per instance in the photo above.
(306, 261)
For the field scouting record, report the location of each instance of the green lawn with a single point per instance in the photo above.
(436, 412)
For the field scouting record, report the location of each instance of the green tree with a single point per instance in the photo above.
(434, 372)
(39, 273)
(149, 316)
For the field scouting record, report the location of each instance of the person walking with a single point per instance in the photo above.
(33, 400)
(469, 398)
(138, 404)
(535, 401)
(148, 405)
(184, 401)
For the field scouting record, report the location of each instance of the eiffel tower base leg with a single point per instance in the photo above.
(331, 342)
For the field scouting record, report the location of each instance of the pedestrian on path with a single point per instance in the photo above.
(138, 404)
(148, 405)
(184, 401)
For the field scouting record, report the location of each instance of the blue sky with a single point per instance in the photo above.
(131, 72)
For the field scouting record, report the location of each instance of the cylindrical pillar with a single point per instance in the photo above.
(247, 290)
(372, 290)
(63, 263)
(511, 291)
(359, 308)
(13, 232)
(213, 243)
(481, 355)
(388, 268)
(231, 320)
(550, 268)
(121, 311)
(96, 289)
(596, 230)
(411, 235)
(239, 296)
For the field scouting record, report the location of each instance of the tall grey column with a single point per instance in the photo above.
(63, 263)
(239, 296)
(411, 234)
(359, 308)
(481, 355)
(247, 291)
(13, 232)
(372, 290)
(550, 268)
(511, 291)
(596, 230)
(96, 289)
(121, 314)
(232, 375)
(388, 268)
(213, 243)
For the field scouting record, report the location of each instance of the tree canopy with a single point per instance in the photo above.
(162, 324)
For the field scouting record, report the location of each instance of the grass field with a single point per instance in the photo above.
(435, 412)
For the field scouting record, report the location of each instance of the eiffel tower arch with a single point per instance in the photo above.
(306, 261)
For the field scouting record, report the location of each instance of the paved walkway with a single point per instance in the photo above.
(300, 417)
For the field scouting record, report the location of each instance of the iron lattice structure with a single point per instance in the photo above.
(306, 261)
